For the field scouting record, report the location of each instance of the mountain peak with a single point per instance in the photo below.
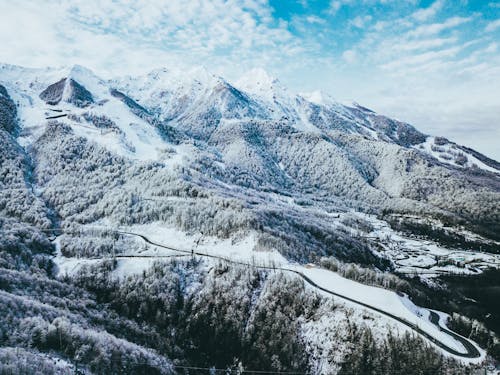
(258, 81)
(77, 72)
(319, 97)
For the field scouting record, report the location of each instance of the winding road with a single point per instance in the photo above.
(471, 349)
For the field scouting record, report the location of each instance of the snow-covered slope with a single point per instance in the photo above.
(458, 156)
(248, 171)
(101, 117)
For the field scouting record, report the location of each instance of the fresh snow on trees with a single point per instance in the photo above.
(246, 171)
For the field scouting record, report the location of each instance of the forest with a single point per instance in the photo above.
(243, 175)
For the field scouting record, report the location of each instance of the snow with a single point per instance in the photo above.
(447, 153)
(416, 310)
(181, 94)
(320, 98)
(259, 82)
(243, 249)
(415, 256)
(128, 267)
(69, 266)
(171, 91)
(303, 124)
(240, 249)
(379, 298)
(87, 78)
(146, 143)
(140, 140)
(263, 87)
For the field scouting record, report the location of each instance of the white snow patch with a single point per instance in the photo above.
(448, 152)
(379, 298)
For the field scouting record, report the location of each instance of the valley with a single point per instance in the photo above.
(195, 211)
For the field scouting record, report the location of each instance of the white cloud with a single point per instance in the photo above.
(436, 28)
(426, 13)
(380, 25)
(493, 25)
(349, 56)
(413, 45)
(334, 7)
(421, 58)
(492, 48)
(144, 34)
(315, 19)
(361, 21)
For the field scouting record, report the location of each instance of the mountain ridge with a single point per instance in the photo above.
(193, 162)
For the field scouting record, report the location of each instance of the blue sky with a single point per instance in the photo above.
(433, 63)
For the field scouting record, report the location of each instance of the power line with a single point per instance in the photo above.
(471, 349)
(238, 371)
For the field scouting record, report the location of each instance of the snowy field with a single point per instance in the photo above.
(426, 258)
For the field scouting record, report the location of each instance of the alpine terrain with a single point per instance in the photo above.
(179, 223)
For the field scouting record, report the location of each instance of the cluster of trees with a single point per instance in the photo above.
(8, 112)
(23, 215)
(406, 355)
(88, 247)
(97, 243)
(97, 350)
(452, 153)
(17, 200)
(356, 222)
(476, 331)
(419, 184)
(305, 237)
(85, 183)
(99, 121)
(18, 361)
(65, 321)
(422, 228)
(472, 201)
(230, 315)
(252, 319)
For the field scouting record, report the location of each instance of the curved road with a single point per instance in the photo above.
(472, 351)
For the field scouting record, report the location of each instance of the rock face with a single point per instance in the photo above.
(53, 94)
(68, 90)
(129, 102)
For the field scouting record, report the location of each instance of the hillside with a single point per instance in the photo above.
(163, 222)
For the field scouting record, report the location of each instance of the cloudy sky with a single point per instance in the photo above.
(433, 63)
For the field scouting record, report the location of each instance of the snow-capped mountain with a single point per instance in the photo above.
(103, 182)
